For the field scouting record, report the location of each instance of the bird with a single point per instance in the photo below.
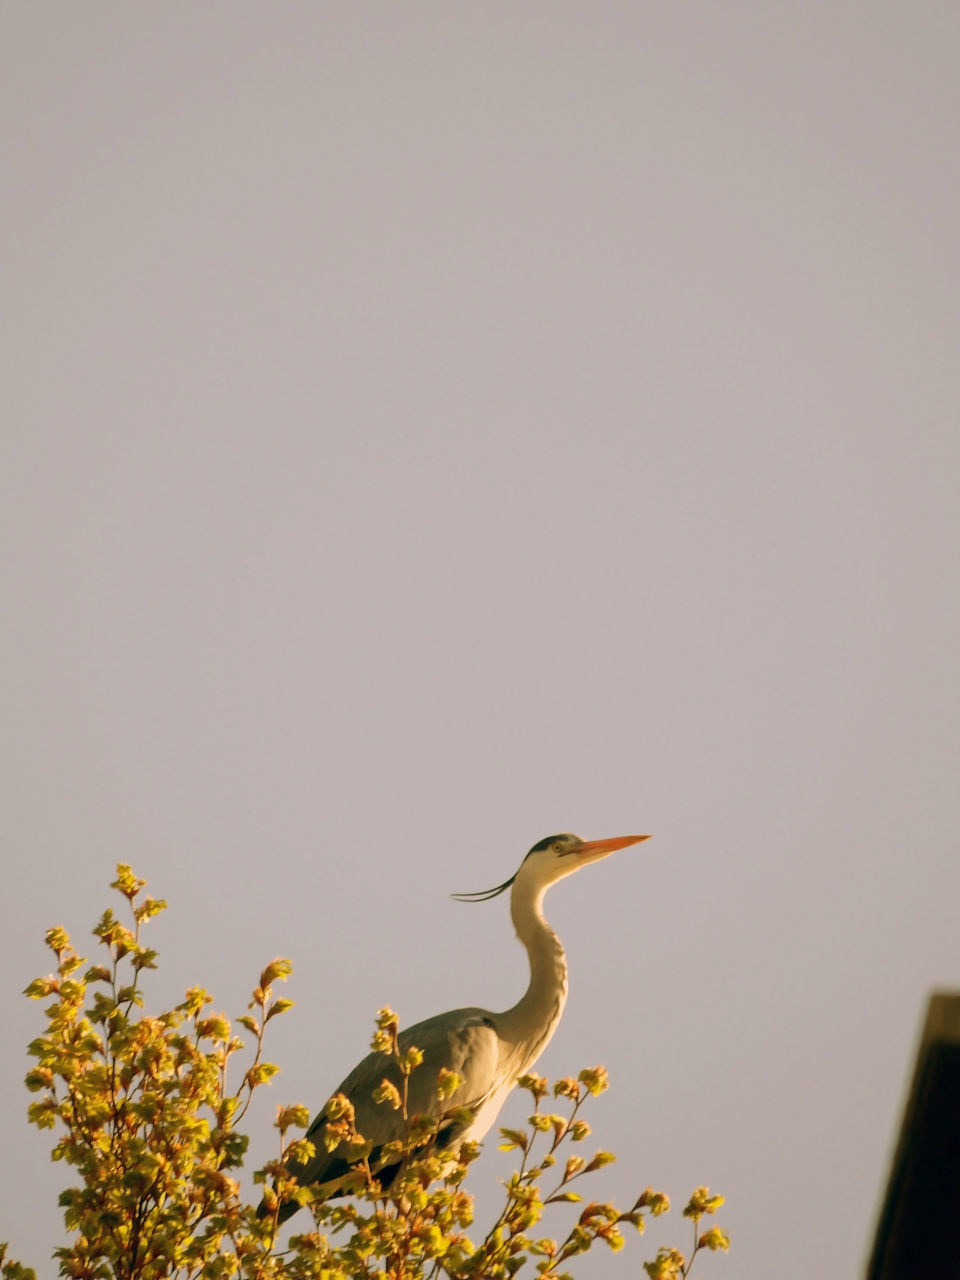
(488, 1051)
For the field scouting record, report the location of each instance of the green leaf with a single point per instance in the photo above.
(410, 1059)
(599, 1160)
(534, 1084)
(296, 1116)
(149, 907)
(595, 1079)
(278, 1006)
(278, 969)
(196, 998)
(39, 1078)
(126, 882)
(41, 987)
(514, 1138)
(714, 1239)
(215, 1027)
(261, 1073)
(387, 1093)
(57, 939)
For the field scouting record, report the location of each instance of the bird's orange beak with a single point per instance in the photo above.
(600, 848)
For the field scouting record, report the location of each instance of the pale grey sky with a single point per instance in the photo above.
(428, 427)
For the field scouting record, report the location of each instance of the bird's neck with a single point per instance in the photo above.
(528, 1026)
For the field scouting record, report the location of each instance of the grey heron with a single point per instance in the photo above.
(488, 1051)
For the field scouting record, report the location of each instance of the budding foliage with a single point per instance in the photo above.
(145, 1112)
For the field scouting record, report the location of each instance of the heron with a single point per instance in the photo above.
(487, 1051)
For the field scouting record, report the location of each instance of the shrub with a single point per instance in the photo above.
(146, 1109)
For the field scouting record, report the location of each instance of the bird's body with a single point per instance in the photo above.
(486, 1050)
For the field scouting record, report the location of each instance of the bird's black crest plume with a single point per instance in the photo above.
(485, 894)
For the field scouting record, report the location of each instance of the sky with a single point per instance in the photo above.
(429, 427)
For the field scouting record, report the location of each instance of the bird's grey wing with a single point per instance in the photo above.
(463, 1041)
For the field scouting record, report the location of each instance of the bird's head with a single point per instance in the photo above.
(553, 858)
